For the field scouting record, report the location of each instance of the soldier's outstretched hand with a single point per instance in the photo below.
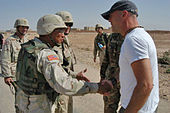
(81, 76)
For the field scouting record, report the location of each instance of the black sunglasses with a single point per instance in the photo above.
(69, 24)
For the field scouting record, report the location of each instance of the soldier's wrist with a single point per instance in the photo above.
(93, 87)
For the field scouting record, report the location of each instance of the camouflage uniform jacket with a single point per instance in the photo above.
(102, 39)
(10, 51)
(65, 58)
(43, 64)
(72, 60)
(111, 57)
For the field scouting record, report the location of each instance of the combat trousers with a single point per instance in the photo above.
(63, 104)
(101, 56)
(111, 102)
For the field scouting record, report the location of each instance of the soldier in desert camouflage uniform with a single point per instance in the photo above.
(40, 75)
(100, 42)
(1, 43)
(64, 104)
(10, 50)
(68, 20)
(110, 70)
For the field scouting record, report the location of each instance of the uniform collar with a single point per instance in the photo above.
(19, 39)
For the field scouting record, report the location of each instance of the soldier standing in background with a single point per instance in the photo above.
(40, 75)
(10, 51)
(100, 42)
(64, 103)
(110, 70)
(1, 43)
(68, 20)
(11, 48)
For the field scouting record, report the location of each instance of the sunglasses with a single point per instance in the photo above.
(69, 24)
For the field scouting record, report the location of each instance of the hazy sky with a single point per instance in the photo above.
(153, 14)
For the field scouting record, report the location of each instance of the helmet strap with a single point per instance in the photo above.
(52, 40)
(22, 34)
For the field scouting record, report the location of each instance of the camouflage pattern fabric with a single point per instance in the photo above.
(0, 63)
(63, 103)
(10, 51)
(102, 39)
(32, 103)
(48, 62)
(110, 70)
(1, 43)
(9, 56)
(73, 56)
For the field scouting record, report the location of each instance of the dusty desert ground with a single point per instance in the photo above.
(82, 44)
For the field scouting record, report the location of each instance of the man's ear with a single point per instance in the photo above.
(124, 13)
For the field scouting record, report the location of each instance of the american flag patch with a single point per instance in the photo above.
(52, 57)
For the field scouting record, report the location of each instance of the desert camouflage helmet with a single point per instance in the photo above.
(98, 26)
(66, 16)
(21, 22)
(48, 23)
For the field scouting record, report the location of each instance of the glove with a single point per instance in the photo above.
(105, 86)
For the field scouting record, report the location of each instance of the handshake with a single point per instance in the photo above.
(105, 86)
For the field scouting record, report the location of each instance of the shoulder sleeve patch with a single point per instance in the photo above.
(52, 57)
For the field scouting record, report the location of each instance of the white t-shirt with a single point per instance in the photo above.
(137, 45)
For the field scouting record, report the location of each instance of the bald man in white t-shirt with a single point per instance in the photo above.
(139, 81)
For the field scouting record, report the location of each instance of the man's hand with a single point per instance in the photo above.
(8, 80)
(105, 86)
(81, 76)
